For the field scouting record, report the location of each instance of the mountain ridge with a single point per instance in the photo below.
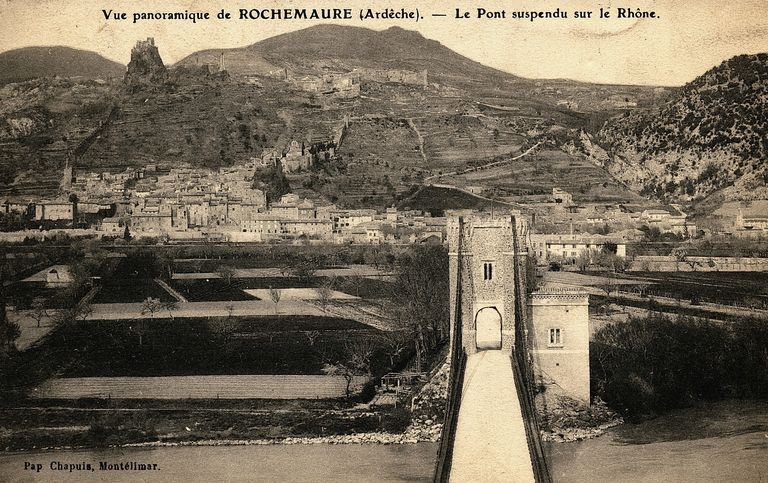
(47, 61)
(312, 49)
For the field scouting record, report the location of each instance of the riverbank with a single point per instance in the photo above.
(563, 419)
(31, 428)
(87, 423)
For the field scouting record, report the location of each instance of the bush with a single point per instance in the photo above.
(649, 365)
(396, 420)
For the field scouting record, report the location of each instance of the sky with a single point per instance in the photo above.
(688, 37)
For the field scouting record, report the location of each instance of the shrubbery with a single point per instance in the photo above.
(652, 364)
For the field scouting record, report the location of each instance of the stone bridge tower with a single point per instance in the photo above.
(489, 292)
(487, 259)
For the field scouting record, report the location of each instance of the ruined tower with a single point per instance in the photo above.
(146, 66)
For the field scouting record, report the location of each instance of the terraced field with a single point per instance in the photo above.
(537, 174)
(453, 140)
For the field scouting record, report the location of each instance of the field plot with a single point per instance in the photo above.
(196, 346)
(257, 288)
(727, 288)
(213, 290)
(131, 281)
(199, 387)
(135, 290)
(436, 200)
(300, 294)
(450, 141)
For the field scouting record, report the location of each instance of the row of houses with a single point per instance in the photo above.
(292, 218)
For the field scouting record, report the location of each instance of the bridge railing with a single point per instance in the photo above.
(455, 381)
(450, 423)
(530, 421)
(523, 369)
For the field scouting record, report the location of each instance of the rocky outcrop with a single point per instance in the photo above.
(564, 419)
(711, 136)
(146, 66)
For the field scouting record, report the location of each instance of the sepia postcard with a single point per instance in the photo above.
(367, 241)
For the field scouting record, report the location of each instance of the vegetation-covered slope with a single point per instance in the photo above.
(712, 135)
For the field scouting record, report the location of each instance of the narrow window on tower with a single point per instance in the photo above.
(488, 271)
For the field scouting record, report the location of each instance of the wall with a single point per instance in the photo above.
(651, 263)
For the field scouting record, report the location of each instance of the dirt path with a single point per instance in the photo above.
(420, 137)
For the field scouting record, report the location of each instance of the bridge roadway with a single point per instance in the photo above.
(490, 443)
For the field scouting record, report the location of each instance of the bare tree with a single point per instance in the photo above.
(151, 306)
(681, 255)
(395, 343)
(609, 286)
(275, 295)
(355, 361)
(171, 306)
(226, 274)
(312, 336)
(139, 327)
(583, 261)
(38, 312)
(324, 294)
(230, 310)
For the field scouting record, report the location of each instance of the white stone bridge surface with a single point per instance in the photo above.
(490, 443)
(199, 387)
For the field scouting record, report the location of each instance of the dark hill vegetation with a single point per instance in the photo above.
(31, 62)
(712, 135)
(653, 364)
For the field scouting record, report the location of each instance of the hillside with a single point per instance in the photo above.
(32, 62)
(310, 50)
(712, 137)
(398, 129)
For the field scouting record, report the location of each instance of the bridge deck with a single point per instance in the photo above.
(490, 442)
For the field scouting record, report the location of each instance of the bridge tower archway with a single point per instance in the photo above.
(487, 256)
(488, 329)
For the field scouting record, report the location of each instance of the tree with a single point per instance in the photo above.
(355, 361)
(680, 254)
(38, 312)
(324, 294)
(11, 332)
(395, 343)
(583, 261)
(170, 306)
(151, 306)
(275, 295)
(609, 286)
(312, 336)
(226, 274)
(421, 288)
(305, 267)
(127, 233)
